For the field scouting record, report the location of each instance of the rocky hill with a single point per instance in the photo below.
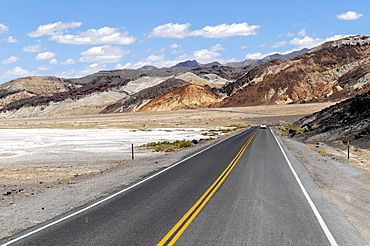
(187, 96)
(348, 120)
(333, 71)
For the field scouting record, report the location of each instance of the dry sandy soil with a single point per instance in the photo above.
(49, 166)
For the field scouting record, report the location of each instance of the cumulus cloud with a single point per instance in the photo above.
(10, 60)
(175, 46)
(103, 54)
(120, 66)
(217, 47)
(68, 62)
(171, 30)
(349, 15)
(225, 31)
(45, 56)
(10, 39)
(3, 28)
(104, 35)
(205, 55)
(53, 28)
(256, 55)
(306, 42)
(53, 61)
(17, 72)
(33, 48)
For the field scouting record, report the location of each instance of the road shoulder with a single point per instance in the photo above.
(345, 189)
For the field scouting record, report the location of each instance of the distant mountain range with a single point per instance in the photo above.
(333, 71)
(247, 62)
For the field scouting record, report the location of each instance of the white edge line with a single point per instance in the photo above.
(116, 194)
(313, 207)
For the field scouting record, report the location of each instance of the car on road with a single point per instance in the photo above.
(263, 126)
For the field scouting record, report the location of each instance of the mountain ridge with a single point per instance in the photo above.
(333, 71)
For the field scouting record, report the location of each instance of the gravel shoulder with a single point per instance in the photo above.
(345, 184)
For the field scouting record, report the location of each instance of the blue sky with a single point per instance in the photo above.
(76, 38)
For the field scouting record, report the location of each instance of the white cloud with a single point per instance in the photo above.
(225, 31)
(53, 61)
(253, 56)
(279, 44)
(175, 46)
(103, 54)
(10, 60)
(53, 28)
(302, 33)
(17, 72)
(68, 62)
(3, 28)
(205, 55)
(92, 68)
(171, 30)
(120, 66)
(349, 15)
(289, 34)
(306, 42)
(105, 35)
(217, 47)
(10, 39)
(45, 55)
(33, 48)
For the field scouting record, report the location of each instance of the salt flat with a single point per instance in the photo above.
(81, 150)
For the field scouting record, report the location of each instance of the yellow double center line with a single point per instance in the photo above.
(174, 234)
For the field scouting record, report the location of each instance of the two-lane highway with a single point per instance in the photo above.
(241, 191)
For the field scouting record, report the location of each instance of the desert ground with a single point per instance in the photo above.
(49, 166)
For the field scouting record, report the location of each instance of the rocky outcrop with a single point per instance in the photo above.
(345, 121)
(134, 101)
(24, 88)
(186, 96)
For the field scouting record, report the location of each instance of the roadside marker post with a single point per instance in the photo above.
(348, 144)
(132, 151)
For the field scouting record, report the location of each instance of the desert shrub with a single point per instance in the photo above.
(166, 146)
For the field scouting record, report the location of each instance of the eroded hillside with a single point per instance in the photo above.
(333, 71)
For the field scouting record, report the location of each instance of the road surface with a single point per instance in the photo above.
(244, 190)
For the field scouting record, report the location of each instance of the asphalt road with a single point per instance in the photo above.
(241, 191)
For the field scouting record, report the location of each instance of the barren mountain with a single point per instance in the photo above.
(333, 71)
(183, 97)
(32, 86)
